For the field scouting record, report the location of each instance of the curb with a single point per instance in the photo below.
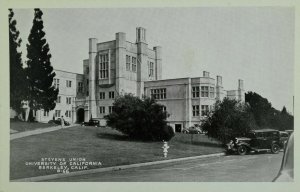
(115, 168)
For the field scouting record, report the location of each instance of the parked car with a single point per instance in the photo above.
(286, 173)
(192, 130)
(284, 136)
(58, 122)
(91, 122)
(289, 131)
(257, 140)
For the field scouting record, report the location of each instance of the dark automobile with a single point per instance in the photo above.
(286, 172)
(289, 131)
(257, 140)
(58, 122)
(192, 130)
(284, 136)
(91, 122)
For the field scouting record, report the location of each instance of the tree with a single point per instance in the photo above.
(230, 118)
(261, 108)
(17, 73)
(284, 120)
(266, 116)
(40, 74)
(140, 118)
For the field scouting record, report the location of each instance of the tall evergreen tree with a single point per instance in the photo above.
(17, 73)
(40, 74)
(261, 108)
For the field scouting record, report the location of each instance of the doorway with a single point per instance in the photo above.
(178, 128)
(80, 115)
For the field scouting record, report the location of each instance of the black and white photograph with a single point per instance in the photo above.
(151, 94)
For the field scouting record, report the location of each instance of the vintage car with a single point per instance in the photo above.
(286, 173)
(289, 131)
(257, 141)
(284, 136)
(58, 122)
(192, 130)
(91, 122)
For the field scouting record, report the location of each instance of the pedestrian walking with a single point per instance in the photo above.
(62, 121)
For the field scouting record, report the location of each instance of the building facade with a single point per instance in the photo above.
(119, 66)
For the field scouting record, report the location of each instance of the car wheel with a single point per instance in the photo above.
(275, 148)
(242, 150)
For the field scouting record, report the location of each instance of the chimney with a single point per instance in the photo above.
(241, 84)
(219, 80)
(205, 74)
(140, 35)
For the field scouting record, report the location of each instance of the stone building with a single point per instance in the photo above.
(119, 66)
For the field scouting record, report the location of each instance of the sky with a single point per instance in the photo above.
(253, 44)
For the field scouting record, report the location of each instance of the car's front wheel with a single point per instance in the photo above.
(242, 150)
(275, 148)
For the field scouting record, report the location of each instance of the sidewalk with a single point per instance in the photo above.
(17, 135)
(114, 168)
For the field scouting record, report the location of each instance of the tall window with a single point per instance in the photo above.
(57, 113)
(87, 87)
(204, 110)
(68, 83)
(102, 109)
(159, 93)
(133, 64)
(56, 83)
(211, 92)
(68, 100)
(195, 110)
(102, 95)
(104, 66)
(195, 92)
(204, 91)
(80, 87)
(68, 113)
(110, 109)
(151, 69)
(58, 99)
(111, 95)
(164, 108)
(127, 62)
(46, 113)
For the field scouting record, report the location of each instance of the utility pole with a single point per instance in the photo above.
(293, 105)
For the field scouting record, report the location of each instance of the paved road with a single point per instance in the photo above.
(248, 168)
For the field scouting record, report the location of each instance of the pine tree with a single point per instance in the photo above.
(40, 74)
(17, 72)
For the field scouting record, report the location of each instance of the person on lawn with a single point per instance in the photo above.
(62, 121)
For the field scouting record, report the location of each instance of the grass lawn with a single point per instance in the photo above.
(99, 144)
(21, 126)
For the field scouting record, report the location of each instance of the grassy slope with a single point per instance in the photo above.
(26, 126)
(99, 144)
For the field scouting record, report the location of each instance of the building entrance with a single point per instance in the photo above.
(178, 128)
(80, 115)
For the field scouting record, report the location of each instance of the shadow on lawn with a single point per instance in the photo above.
(203, 143)
(112, 136)
(120, 137)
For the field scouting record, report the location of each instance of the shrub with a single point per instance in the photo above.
(167, 133)
(229, 119)
(139, 118)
